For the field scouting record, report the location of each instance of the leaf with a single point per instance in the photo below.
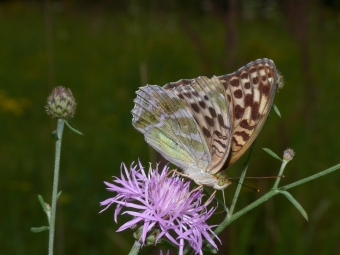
(270, 152)
(40, 229)
(58, 195)
(42, 202)
(73, 129)
(277, 110)
(295, 203)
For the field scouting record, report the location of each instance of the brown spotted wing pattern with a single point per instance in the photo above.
(249, 93)
(204, 125)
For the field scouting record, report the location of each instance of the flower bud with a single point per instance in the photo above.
(280, 81)
(288, 154)
(61, 103)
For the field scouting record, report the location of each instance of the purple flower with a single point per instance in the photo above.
(162, 203)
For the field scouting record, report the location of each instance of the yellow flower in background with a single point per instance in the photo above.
(16, 106)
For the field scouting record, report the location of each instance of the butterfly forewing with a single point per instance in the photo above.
(250, 92)
(205, 100)
(169, 127)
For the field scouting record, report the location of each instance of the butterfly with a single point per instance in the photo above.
(204, 125)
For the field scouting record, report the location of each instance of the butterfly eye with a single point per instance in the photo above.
(221, 182)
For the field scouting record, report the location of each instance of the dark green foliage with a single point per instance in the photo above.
(98, 54)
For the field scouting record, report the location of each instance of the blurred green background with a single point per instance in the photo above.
(103, 51)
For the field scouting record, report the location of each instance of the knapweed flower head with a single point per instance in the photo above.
(61, 103)
(161, 207)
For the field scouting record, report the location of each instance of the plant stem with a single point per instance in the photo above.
(274, 191)
(135, 248)
(270, 194)
(239, 186)
(283, 165)
(60, 128)
(246, 209)
(312, 177)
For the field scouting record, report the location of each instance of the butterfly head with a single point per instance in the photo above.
(222, 181)
(218, 181)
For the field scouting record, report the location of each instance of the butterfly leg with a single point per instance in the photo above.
(198, 188)
(179, 173)
(211, 197)
(194, 190)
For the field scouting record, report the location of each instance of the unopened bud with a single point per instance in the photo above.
(280, 81)
(61, 103)
(288, 154)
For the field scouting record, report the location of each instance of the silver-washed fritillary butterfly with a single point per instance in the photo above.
(205, 125)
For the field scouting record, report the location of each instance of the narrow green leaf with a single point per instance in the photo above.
(73, 129)
(42, 202)
(277, 110)
(40, 229)
(270, 152)
(295, 203)
(58, 195)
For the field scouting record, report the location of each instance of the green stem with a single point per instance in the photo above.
(312, 177)
(274, 191)
(283, 165)
(60, 128)
(246, 209)
(135, 248)
(239, 186)
(270, 194)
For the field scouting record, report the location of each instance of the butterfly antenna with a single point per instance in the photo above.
(262, 177)
(256, 190)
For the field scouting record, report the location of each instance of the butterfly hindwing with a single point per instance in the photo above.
(169, 127)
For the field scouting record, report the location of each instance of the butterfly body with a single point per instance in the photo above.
(204, 125)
